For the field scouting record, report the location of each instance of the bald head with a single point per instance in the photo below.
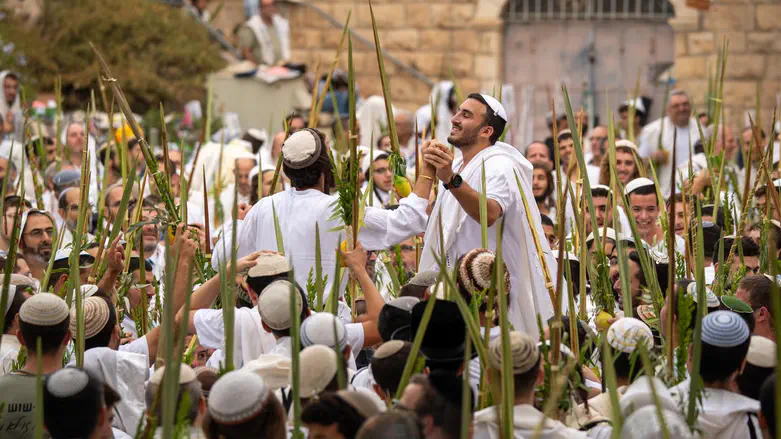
(405, 125)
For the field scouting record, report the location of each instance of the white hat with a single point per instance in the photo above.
(366, 160)
(496, 106)
(637, 183)
(237, 397)
(602, 187)
(637, 103)
(186, 375)
(711, 300)
(609, 233)
(389, 349)
(318, 368)
(11, 295)
(254, 172)
(626, 333)
(777, 182)
(523, 350)
(44, 309)
(257, 134)
(274, 305)
(302, 148)
(85, 259)
(67, 382)
(623, 143)
(245, 155)
(761, 352)
(318, 329)
(273, 368)
(88, 290)
(96, 315)
(27, 213)
(269, 264)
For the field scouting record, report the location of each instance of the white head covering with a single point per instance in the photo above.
(11, 294)
(637, 183)
(496, 106)
(125, 372)
(44, 309)
(237, 397)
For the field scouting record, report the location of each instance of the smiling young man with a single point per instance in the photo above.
(644, 207)
(477, 126)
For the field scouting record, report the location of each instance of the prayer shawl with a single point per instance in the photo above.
(261, 31)
(528, 295)
(722, 414)
(126, 373)
(526, 418)
(649, 143)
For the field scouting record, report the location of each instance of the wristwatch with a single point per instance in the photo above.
(455, 182)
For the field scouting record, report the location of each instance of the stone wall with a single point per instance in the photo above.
(753, 30)
(432, 36)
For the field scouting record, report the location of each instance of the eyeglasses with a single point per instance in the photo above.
(407, 248)
(38, 233)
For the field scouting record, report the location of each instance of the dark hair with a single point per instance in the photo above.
(546, 220)
(525, 382)
(626, 365)
(380, 156)
(329, 409)
(73, 416)
(151, 201)
(760, 192)
(409, 290)
(548, 178)
(750, 248)
(16, 305)
(492, 120)
(391, 424)
(387, 371)
(643, 190)
(718, 363)
(103, 338)
(675, 198)
(444, 413)
(564, 135)
(719, 216)
(51, 336)
(767, 401)
(391, 319)
(309, 176)
(15, 201)
(635, 257)
(599, 192)
(60, 268)
(379, 141)
(269, 424)
(759, 290)
(751, 379)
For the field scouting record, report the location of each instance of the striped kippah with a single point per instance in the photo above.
(627, 333)
(724, 329)
(476, 273)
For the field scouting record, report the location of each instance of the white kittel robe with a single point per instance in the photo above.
(261, 32)
(649, 143)
(528, 294)
(299, 211)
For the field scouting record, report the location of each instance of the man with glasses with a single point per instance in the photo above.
(36, 240)
(678, 127)
(68, 207)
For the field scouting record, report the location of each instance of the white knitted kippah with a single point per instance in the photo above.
(523, 349)
(237, 397)
(96, 315)
(274, 305)
(44, 309)
(67, 382)
(626, 334)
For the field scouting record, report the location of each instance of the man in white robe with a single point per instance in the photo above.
(678, 122)
(265, 38)
(299, 209)
(476, 128)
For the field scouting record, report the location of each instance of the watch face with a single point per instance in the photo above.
(457, 180)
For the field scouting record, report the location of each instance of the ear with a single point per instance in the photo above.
(19, 338)
(540, 376)
(67, 338)
(762, 314)
(378, 390)
(265, 327)
(348, 352)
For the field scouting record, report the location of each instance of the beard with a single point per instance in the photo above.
(540, 199)
(40, 254)
(467, 139)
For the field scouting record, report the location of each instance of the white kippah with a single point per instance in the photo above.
(274, 305)
(404, 303)
(318, 368)
(44, 309)
(389, 349)
(301, 149)
(637, 183)
(609, 233)
(601, 186)
(523, 349)
(625, 334)
(254, 172)
(623, 143)
(496, 106)
(88, 290)
(96, 315)
(269, 264)
(761, 352)
(11, 295)
(258, 134)
(237, 397)
(318, 329)
(711, 301)
(425, 278)
(637, 103)
(67, 382)
(186, 375)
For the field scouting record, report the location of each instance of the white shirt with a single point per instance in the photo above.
(9, 351)
(250, 340)
(158, 261)
(526, 418)
(503, 163)
(299, 211)
(649, 143)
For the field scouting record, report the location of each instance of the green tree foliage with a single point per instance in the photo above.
(158, 52)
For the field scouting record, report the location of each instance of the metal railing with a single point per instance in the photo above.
(525, 11)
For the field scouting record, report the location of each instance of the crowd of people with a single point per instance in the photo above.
(613, 287)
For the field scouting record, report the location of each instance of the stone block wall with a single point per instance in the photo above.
(753, 30)
(432, 36)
